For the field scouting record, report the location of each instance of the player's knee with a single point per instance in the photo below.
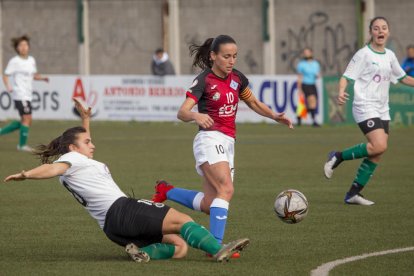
(183, 218)
(181, 249)
(380, 148)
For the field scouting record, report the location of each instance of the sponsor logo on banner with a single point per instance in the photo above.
(90, 101)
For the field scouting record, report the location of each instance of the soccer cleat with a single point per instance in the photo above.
(230, 248)
(161, 190)
(136, 254)
(25, 148)
(357, 199)
(236, 255)
(330, 164)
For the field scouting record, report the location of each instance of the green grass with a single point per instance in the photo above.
(43, 230)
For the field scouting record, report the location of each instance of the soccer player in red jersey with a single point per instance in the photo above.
(217, 91)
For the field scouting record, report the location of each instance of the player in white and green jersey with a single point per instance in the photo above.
(22, 71)
(146, 229)
(372, 69)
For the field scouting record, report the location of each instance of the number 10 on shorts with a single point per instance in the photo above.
(220, 149)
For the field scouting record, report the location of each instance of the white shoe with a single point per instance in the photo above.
(25, 148)
(358, 199)
(136, 254)
(228, 249)
(328, 168)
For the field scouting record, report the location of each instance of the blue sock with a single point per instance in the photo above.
(218, 218)
(188, 198)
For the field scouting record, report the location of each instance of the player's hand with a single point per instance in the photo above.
(204, 120)
(46, 79)
(342, 98)
(282, 119)
(16, 177)
(84, 112)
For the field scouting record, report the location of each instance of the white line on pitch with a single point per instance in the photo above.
(323, 270)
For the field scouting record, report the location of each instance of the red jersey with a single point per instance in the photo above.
(219, 97)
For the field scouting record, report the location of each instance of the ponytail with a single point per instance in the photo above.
(201, 52)
(58, 146)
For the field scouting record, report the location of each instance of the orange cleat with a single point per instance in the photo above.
(235, 255)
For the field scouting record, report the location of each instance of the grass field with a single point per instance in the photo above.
(43, 230)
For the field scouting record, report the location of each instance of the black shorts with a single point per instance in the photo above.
(137, 221)
(24, 107)
(374, 123)
(309, 90)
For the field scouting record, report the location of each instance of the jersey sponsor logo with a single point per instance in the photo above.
(378, 78)
(216, 96)
(234, 84)
(228, 110)
(370, 123)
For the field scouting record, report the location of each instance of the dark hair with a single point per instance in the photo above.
(58, 146)
(16, 41)
(377, 18)
(201, 53)
(159, 51)
(410, 46)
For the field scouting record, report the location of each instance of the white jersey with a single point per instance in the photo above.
(372, 72)
(91, 184)
(21, 70)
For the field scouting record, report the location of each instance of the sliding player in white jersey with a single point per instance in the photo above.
(372, 68)
(148, 230)
(22, 70)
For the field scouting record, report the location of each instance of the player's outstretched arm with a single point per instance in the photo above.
(84, 112)
(42, 172)
(408, 80)
(40, 77)
(262, 109)
(186, 114)
(342, 95)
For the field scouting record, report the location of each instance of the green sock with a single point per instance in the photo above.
(15, 125)
(365, 172)
(199, 237)
(24, 133)
(355, 152)
(159, 251)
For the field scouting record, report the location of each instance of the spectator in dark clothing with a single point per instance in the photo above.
(408, 63)
(161, 64)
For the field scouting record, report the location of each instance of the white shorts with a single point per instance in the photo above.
(213, 147)
(363, 113)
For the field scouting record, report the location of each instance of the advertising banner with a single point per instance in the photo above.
(145, 98)
(401, 102)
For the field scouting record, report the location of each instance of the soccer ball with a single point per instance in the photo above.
(291, 206)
